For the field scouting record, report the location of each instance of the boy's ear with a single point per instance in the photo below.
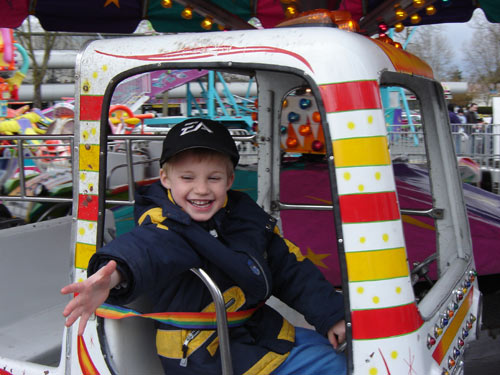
(165, 181)
(230, 181)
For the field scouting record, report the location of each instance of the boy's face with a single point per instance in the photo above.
(198, 184)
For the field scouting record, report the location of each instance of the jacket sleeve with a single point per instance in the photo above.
(302, 286)
(149, 257)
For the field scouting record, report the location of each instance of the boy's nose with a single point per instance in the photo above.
(201, 187)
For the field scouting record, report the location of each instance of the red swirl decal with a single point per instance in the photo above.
(208, 51)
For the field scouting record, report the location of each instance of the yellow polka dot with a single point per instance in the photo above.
(394, 354)
(351, 125)
(376, 299)
(91, 225)
(370, 119)
(104, 68)
(85, 134)
(373, 371)
(378, 175)
(80, 280)
(362, 239)
(95, 75)
(347, 176)
(361, 187)
(83, 176)
(91, 187)
(81, 231)
(93, 131)
(398, 289)
(385, 237)
(360, 289)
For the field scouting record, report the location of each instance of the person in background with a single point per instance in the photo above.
(471, 116)
(461, 115)
(455, 127)
(454, 119)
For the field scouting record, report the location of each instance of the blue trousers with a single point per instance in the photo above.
(312, 355)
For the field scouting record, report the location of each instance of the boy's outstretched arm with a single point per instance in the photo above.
(336, 334)
(90, 294)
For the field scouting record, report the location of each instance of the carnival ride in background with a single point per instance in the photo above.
(11, 72)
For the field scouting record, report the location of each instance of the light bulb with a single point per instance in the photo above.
(207, 23)
(187, 13)
(430, 10)
(166, 3)
(399, 27)
(415, 18)
(418, 3)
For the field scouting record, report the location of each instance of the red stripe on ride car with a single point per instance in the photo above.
(387, 322)
(356, 208)
(88, 207)
(350, 96)
(90, 107)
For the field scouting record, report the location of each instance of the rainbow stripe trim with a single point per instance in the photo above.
(185, 320)
(86, 364)
(450, 334)
(405, 62)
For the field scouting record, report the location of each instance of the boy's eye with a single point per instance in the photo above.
(215, 178)
(186, 177)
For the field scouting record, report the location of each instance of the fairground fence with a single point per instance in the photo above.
(479, 142)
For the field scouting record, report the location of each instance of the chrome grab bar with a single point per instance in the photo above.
(221, 318)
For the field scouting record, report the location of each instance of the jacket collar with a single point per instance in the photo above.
(157, 195)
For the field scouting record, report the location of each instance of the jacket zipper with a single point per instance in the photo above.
(263, 274)
(191, 335)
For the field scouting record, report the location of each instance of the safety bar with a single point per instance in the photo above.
(221, 318)
(435, 213)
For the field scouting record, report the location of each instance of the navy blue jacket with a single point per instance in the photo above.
(248, 260)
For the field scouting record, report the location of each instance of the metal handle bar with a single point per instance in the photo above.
(436, 213)
(221, 318)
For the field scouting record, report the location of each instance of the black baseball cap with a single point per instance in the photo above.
(199, 133)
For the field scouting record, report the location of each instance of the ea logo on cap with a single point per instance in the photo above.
(188, 128)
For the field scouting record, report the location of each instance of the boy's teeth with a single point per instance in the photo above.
(200, 203)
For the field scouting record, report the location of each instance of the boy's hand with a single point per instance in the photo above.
(90, 294)
(336, 334)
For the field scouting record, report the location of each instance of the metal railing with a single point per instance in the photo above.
(480, 142)
(18, 151)
(15, 150)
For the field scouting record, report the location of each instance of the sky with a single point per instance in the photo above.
(460, 34)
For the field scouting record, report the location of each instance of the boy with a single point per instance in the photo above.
(191, 218)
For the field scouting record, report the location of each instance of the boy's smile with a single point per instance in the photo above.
(198, 183)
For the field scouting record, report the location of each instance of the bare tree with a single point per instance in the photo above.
(482, 55)
(431, 45)
(32, 42)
